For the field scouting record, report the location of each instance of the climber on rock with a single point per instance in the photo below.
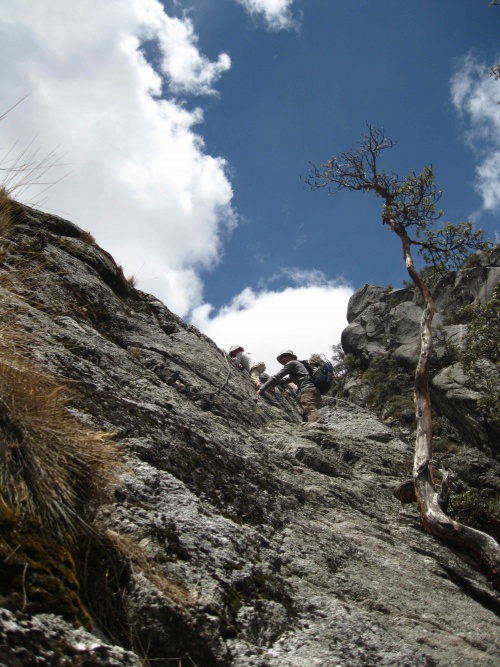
(294, 371)
(245, 361)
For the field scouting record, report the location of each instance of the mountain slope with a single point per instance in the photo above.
(234, 536)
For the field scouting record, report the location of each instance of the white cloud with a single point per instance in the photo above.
(187, 69)
(475, 95)
(276, 13)
(303, 277)
(306, 319)
(488, 181)
(141, 180)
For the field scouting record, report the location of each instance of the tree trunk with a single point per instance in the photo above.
(475, 546)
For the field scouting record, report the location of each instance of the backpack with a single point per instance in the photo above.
(321, 371)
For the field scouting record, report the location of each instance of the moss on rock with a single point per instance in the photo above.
(37, 572)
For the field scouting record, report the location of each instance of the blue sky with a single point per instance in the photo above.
(295, 97)
(186, 128)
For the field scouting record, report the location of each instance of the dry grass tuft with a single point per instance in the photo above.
(51, 467)
(133, 553)
(5, 206)
(88, 237)
(17, 268)
(5, 220)
(24, 172)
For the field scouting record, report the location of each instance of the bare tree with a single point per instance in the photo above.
(409, 210)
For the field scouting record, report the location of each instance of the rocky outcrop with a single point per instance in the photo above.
(235, 536)
(386, 322)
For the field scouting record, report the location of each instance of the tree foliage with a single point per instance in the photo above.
(410, 202)
(481, 355)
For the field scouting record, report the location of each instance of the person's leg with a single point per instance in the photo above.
(310, 400)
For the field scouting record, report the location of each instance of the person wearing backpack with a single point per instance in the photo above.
(295, 371)
(322, 373)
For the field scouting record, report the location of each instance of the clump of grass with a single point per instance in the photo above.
(25, 170)
(399, 407)
(135, 556)
(5, 206)
(386, 380)
(19, 266)
(108, 565)
(445, 446)
(88, 237)
(478, 509)
(51, 467)
(5, 220)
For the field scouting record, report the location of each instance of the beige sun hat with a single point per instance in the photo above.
(286, 352)
(234, 349)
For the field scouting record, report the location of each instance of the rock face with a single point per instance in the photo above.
(250, 540)
(386, 322)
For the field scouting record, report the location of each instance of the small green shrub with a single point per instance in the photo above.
(450, 352)
(477, 509)
(344, 366)
(387, 379)
(481, 355)
(444, 446)
(400, 407)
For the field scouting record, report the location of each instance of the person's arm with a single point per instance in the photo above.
(274, 380)
(237, 361)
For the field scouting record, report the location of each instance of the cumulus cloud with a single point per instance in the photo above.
(188, 70)
(307, 318)
(475, 95)
(276, 13)
(141, 179)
